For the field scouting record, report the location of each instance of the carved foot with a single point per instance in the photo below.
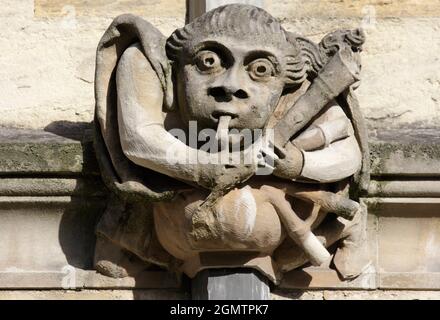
(352, 257)
(112, 261)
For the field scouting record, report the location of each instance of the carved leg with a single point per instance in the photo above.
(328, 201)
(289, 256)
(297, 229)
(352, 257)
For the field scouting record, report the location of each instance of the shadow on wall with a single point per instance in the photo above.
(89, 199)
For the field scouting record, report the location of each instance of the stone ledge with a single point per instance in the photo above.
(404, 188)
(323, 278)
(325, 9)
(109, 8)
(150, 294)
(76, 279)
(398, 152)
(89, 187)
(48, 233)
(409, 280)
(170, 294)
(40, 153)
(405, 153)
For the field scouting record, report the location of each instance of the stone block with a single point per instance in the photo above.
(427, 188)
(90, 187)
(57, 8)
(43, 238)
(381, 295)
(405, 153)
(419, 249)
(349, 8)
(93, 295)
(324, 278)
(26, 152)
(410, 280)
(48, 242)
(407, 242)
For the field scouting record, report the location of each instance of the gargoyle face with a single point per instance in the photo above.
(224, 76)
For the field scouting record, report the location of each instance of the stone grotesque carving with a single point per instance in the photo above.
(279, 197)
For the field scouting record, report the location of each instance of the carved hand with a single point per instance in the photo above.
(220, 179)
(223, 176)
(290, 162)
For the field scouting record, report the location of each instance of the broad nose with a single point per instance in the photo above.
(231, 85)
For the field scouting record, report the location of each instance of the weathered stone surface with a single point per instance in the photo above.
(72, 278)
(418, 250)
(178, 295)
(26, 152)
(46, 234)
(93, 295)
(321, 278)
(405, 188)
(48, 242)
(405, 153)
(349, 8)
(48, 62)
(60, 49)
(407, 261)
(89, 187)
(375, 295)
(392, 45)
(108, 8)
(411, 280)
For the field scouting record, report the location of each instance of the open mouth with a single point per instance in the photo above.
(216, 115)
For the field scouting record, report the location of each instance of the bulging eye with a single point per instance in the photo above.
(208, 61)
(261, 69)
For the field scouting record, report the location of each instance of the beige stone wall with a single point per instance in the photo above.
(353, 8)
(48, 49)
(401, 58)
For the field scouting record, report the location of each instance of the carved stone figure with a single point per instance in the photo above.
(279, 199)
